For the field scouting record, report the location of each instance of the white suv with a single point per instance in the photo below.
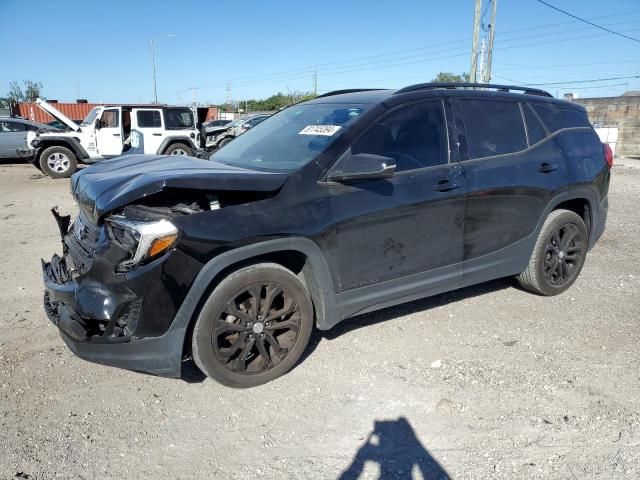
(109, 131)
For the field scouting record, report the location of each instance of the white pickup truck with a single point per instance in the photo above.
(109, 131)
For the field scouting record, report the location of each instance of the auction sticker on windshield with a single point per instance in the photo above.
(325, 130)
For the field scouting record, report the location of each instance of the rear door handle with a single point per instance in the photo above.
(547, 167)
(446, 186)
(156, 134)
(116, 134)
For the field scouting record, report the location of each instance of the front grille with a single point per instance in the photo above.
(82, 241)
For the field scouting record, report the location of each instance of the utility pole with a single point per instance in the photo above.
(228, 102)
(474, 47)
(315, 82)
(492, 33)
(153, 62)
(193, 95)
(152, 44)
(483, 65)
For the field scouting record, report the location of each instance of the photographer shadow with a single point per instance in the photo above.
(393, 445)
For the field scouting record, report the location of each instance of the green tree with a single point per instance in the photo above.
(448, 77)
(270, 104)
(32, 90)
(15, 92)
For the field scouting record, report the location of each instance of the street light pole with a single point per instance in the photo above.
(153, 62)
(152, 44)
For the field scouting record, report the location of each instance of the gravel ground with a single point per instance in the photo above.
(485, 382)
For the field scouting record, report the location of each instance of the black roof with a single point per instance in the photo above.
(374, 96)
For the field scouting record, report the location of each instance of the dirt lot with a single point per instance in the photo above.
(485, 382)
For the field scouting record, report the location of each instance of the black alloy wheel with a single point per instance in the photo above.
(563, 258)
(254, 326)
(255, 329)
(558, 255)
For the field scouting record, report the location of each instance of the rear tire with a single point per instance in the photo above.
(254, 326)
(179, 149)
(58, 162)
(558, 255)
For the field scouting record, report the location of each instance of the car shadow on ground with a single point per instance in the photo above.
(404, 309)
(394, 446)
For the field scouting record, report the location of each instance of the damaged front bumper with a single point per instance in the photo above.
(100, 314)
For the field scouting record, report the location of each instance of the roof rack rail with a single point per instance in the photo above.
(454, 85)
(349, 90)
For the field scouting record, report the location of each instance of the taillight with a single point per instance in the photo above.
(608, 154)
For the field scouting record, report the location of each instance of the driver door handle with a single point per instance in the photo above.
(156, 134)
(116, 134)
(446, 186)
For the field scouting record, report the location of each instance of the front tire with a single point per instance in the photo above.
(254, 326)
(58, 162)
(179, 149)
(558, 255)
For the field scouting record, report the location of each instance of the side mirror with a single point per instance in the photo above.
(246, 126)
(363, 166)
(98, 124)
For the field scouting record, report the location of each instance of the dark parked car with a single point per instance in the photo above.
(346, 204)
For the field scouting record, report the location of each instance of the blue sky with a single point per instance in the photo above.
(100, 49)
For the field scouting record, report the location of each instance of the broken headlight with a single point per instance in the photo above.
(144, 240)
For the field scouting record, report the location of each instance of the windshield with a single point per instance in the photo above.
(91, 116)
(291, 138)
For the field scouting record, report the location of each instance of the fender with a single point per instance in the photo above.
(578, 193)
(181, 139)
(316, 272)
(71, 143)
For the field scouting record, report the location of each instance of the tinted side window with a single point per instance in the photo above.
(534, 128)
(8, 126)
(149, 118)
(415, 136)
(493, 127)
(177, 118)
(556, 118)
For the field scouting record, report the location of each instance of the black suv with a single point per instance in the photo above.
(349, 203)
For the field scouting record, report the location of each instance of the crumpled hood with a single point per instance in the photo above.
(217, 129)
(110, 184)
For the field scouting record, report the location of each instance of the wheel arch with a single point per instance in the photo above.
(300, 255)
(581, 201)
(581, 207)
(71, 143)
(167, 142)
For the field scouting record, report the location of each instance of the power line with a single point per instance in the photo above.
(585, 81)
(559, 24)
(601, 86)
(384, 63)
(569, 82)
(566, 65)
(301, 72)
(588, 22)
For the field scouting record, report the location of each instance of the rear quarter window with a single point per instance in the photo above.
(556, 118)
(493, 127)
(534, 128)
